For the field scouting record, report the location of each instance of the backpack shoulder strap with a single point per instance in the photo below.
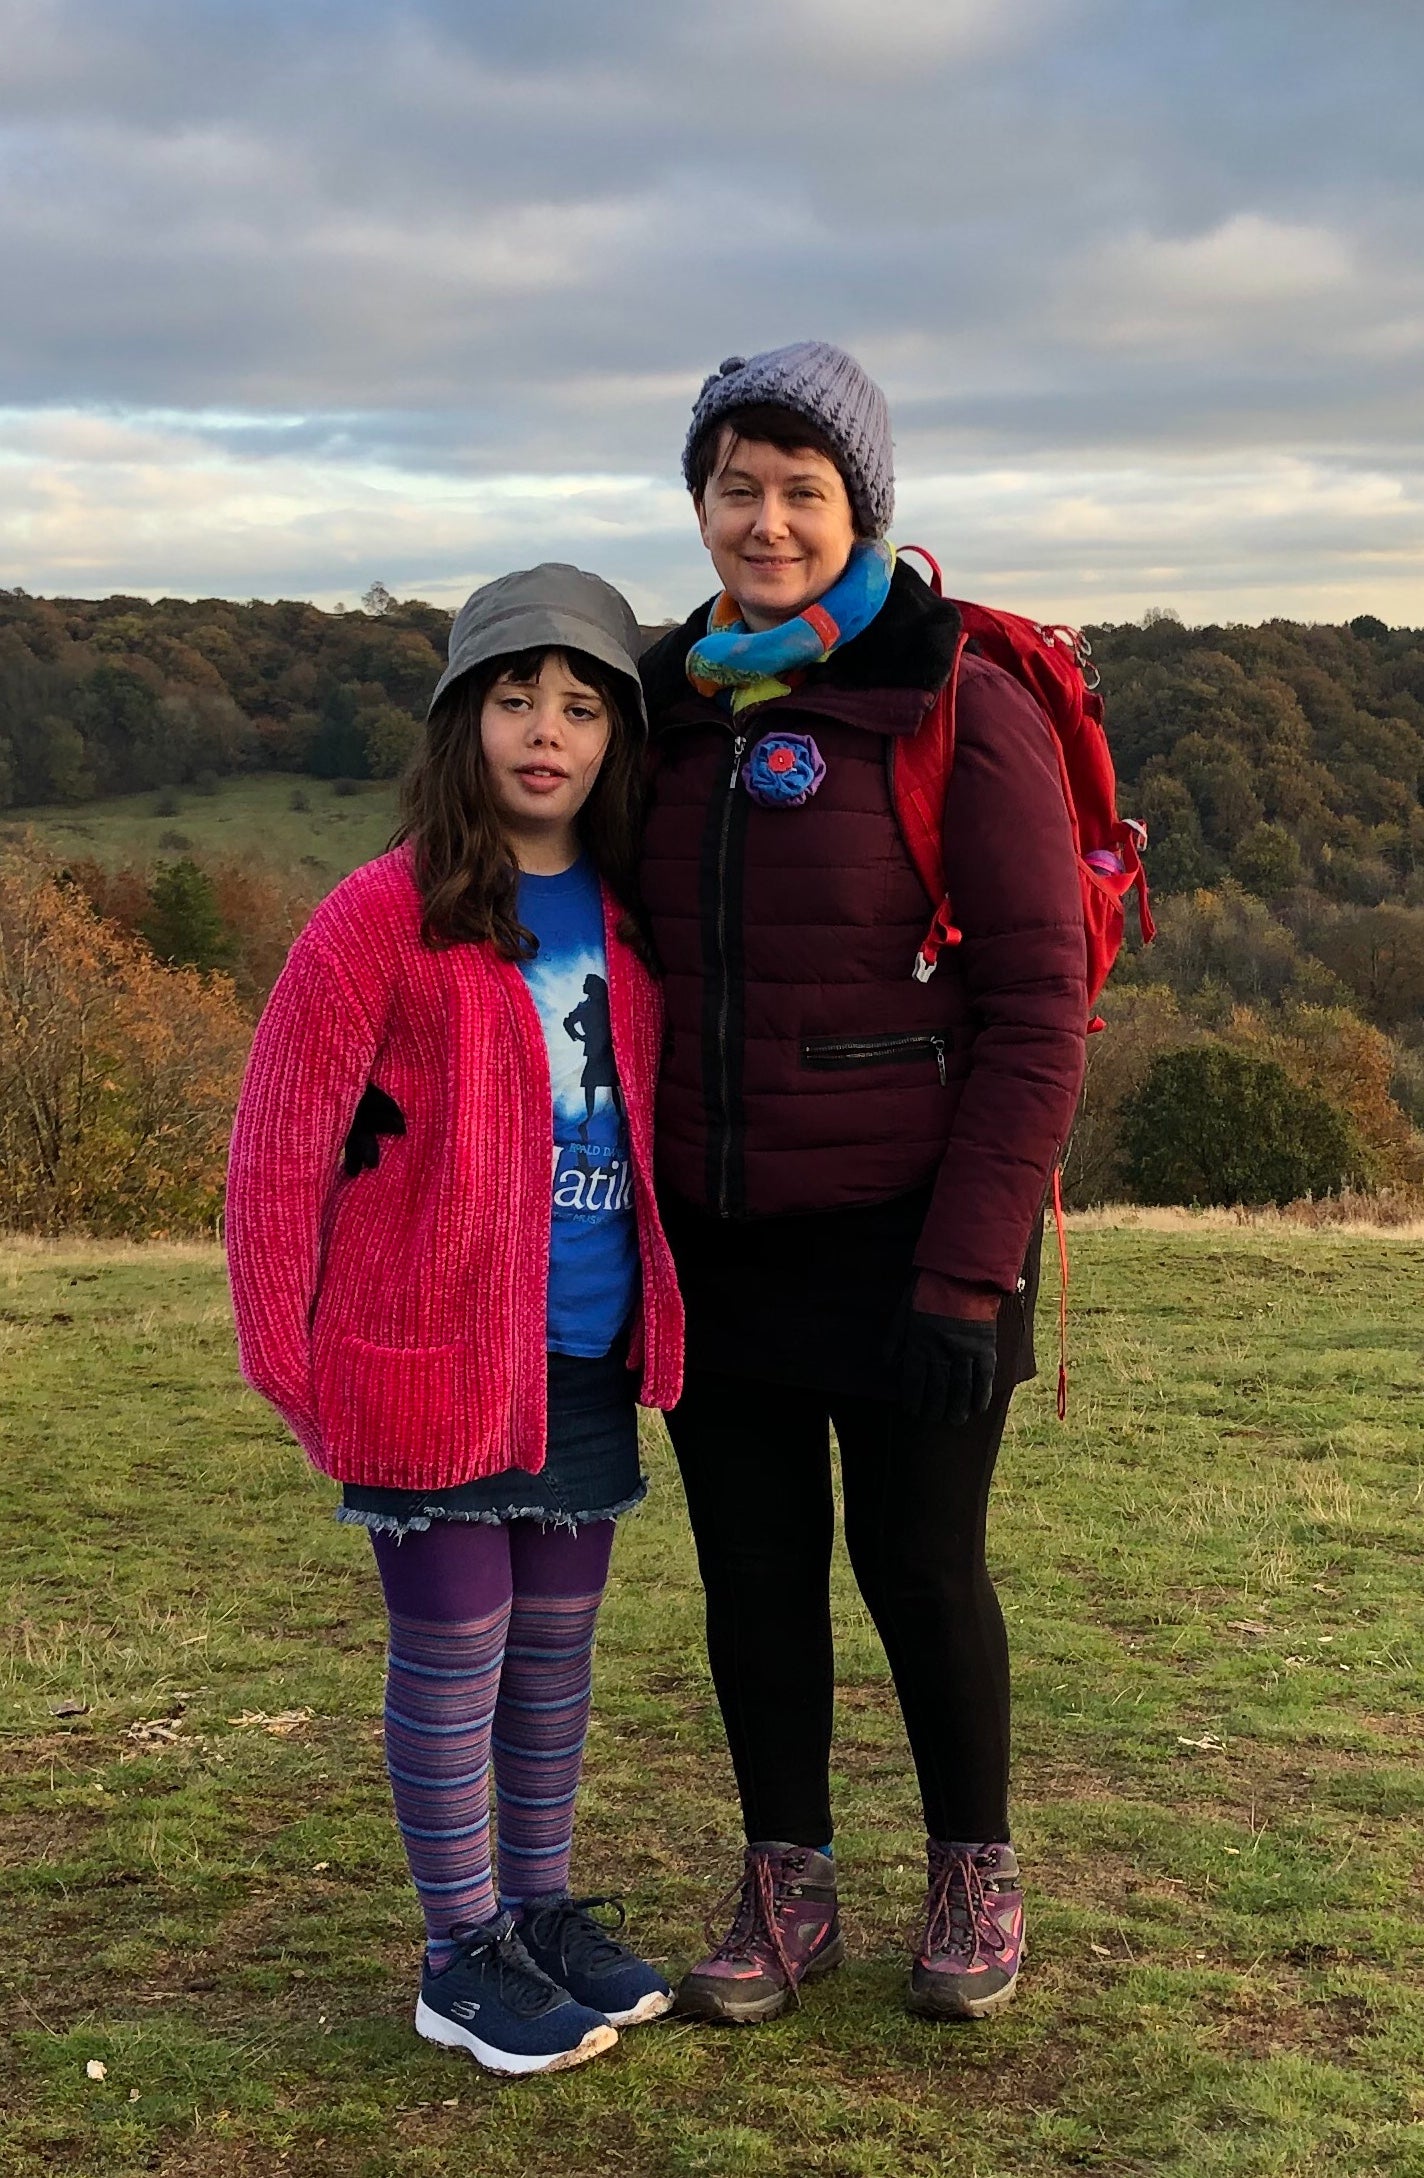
(920, 765)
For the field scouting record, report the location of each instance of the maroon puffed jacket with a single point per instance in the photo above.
(804, 1068)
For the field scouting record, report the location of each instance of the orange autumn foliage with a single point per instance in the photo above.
(1331, 1050)
(117, 1075)
(265, 910)
(262, 909)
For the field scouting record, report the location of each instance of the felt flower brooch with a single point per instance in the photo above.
(783, 770)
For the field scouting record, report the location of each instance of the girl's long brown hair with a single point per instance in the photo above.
(465, 869)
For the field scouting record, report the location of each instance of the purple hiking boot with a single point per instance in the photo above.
(785, 1929)
(973, 1944)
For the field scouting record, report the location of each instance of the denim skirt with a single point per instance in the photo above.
(591, 1470)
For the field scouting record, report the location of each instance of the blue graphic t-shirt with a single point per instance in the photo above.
(593, 1252)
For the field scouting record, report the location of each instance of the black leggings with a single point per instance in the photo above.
(755, 1460)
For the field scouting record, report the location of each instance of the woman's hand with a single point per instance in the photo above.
(947, 1360)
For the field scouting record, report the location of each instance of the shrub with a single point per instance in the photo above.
(166, 804)
(176, 840)
(1218, 1126)
(299, 800)
(117, 1075)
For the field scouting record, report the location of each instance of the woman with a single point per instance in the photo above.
(456, 1340)
(851, 1163)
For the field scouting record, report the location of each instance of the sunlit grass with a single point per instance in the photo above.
(1211, 1576)
(249, 814)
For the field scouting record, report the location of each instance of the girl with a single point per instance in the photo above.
(852, 1161)
(450, 1336)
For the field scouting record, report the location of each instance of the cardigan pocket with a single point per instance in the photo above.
(389, 1414)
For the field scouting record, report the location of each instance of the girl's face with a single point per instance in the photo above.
(544, 742)
(779, 527)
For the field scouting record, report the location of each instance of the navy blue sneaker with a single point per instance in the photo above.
(493, 2001)
(582, 1955)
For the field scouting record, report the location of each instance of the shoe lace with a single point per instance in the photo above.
(519, 1983)
(756, 1919)
(582, 1942)
(958, 1916)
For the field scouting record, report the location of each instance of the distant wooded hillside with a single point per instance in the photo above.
(1279, 768)
(117, 695)
(1280, 755)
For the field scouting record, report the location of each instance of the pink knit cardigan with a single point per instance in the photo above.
(397, 1320)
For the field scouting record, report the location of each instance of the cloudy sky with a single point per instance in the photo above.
(296, 295)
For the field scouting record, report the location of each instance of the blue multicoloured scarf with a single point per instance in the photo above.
(756, 667)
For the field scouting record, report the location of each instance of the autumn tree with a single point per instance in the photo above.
(1332, 1052)
(1141, 1023)
(117, 1075)
(1379, 953)
(260, 911)
(1267, 861)
(1226, 938)
(391, 737)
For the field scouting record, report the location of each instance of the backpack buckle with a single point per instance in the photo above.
(941, 933)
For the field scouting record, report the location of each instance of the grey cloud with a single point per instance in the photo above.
(474, 237)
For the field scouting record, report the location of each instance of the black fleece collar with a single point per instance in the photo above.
(906, 652)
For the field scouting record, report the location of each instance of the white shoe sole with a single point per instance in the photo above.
(435, 2027)
(652, 2006)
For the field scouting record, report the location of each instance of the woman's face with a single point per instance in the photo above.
(779, 527)
(544, 742)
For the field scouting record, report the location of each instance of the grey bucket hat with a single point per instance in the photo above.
(553, 607)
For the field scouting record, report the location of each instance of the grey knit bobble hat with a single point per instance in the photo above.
(827, 387)
(552, 607)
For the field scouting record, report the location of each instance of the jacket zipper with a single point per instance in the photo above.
(724, 1001)
(835, 1051)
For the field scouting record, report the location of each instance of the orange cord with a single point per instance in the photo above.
(1062, 1293)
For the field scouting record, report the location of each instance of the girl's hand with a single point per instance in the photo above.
(375, 1115)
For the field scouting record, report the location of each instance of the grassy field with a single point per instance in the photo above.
(249, 815)
(1212, 1579)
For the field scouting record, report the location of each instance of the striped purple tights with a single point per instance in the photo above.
(491, 1654)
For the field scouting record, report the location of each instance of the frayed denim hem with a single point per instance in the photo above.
(496, 1517)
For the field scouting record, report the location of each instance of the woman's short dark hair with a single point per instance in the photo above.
(464, 866)
(767, 423)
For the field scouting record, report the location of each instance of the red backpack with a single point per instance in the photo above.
(1053, 664)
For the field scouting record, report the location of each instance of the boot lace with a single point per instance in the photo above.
(756, 1923)
(959, 1921)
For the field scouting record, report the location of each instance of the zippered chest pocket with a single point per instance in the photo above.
(832, 1053)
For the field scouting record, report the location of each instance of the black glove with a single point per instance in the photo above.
(947, 1367)
(375, 1115)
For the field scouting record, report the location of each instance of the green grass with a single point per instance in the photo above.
(1212, 1581)
(247, 815)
